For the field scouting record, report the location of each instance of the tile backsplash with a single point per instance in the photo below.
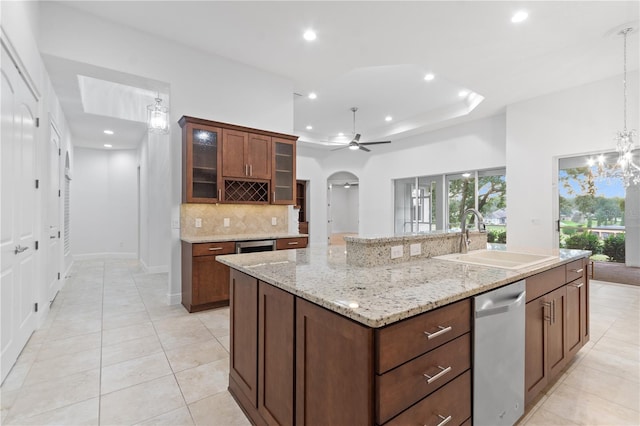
(243, 219)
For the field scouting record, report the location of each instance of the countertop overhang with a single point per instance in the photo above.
(380, 295)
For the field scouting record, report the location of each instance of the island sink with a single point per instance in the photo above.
(498, 259)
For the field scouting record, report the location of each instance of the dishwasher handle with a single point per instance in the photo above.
(499, 309)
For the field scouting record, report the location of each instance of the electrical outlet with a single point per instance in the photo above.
(198, 222)
(415, 249)
(227, 222)
(396, 252)
(175, 223)
(274, 221)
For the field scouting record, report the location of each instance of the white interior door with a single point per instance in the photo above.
(53, 216)
(18, 198)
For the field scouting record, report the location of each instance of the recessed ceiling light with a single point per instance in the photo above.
(108, 132)
(309, 127)
(108, 145)
(463, 93)
(388, 118)
(312, 95)
(309, 35)
(429, 77)
(519, 16)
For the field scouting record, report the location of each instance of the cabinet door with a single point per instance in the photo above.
(575, 311)
(556, 331)
(243, 370)
(535, 361)
(334, 368)
(233, 153)
(210, 280)
(275, 354)
(283, 182)
(201, 163)
(258, 156)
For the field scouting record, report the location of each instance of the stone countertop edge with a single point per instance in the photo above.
(381, 295)
(373, 239)
(238, 237)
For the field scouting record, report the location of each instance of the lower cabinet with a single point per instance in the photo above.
(205, 282)
(556, 324)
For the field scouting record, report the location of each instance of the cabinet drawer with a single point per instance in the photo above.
(291, 243)
(543, 283)
(410, 338)
(403, 386)
(208, 249)
(452, 401)
(574, 270)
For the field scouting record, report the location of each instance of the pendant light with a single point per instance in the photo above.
(158, 117)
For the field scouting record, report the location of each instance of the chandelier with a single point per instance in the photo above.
(626, 167)
(158, 117)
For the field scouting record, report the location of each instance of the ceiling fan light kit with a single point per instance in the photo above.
(355, 143)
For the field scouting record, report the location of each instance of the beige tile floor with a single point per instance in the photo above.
(111, 352)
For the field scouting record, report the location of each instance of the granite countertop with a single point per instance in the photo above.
(239, 237)
(380, 295)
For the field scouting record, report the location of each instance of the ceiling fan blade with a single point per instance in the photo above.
(364, 149)
(357, 137)
(342, 147)
(374, 143)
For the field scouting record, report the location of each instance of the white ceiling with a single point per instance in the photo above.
(374, 55)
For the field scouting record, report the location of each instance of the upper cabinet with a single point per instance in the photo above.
(200, 162)
(246, 155)
(283, 182)
(249, 165)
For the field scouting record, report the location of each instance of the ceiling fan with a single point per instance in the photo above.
(355, 143)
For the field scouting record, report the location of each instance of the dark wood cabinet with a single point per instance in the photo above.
(291, 243)
(234, 164)
(283, 182)
(301, 204)
(201, 148)
(243, 369)
(334, 368)
(275, 355)
(246, 155)
(205, 282)
(556, 324)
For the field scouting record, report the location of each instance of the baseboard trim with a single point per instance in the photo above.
(154, 269)
(93, 256)
(174, 299)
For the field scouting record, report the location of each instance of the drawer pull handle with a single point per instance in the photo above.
(437, 333)
(293, 243)
(577, 271)
(443, 371)
(215, 248)
(577, 285)
(444, 419)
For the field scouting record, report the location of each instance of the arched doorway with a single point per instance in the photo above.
(342, 206)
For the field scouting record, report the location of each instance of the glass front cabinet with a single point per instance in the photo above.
(283, 182)
(201, 162)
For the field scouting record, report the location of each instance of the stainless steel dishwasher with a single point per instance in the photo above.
(498, 368)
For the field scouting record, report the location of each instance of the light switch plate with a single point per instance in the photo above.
(274, 221)
(198, 222)
(396, 252)
(227, 222)
(415, 249)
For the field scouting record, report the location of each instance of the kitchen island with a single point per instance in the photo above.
(316, 340)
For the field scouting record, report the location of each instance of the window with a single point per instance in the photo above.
(429, 203)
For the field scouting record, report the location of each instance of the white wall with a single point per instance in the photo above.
(104, 203)
(576, 121)
(202, 85)
(20, 23)
(344, 209)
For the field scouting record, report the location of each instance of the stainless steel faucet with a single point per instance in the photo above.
(464, 234)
